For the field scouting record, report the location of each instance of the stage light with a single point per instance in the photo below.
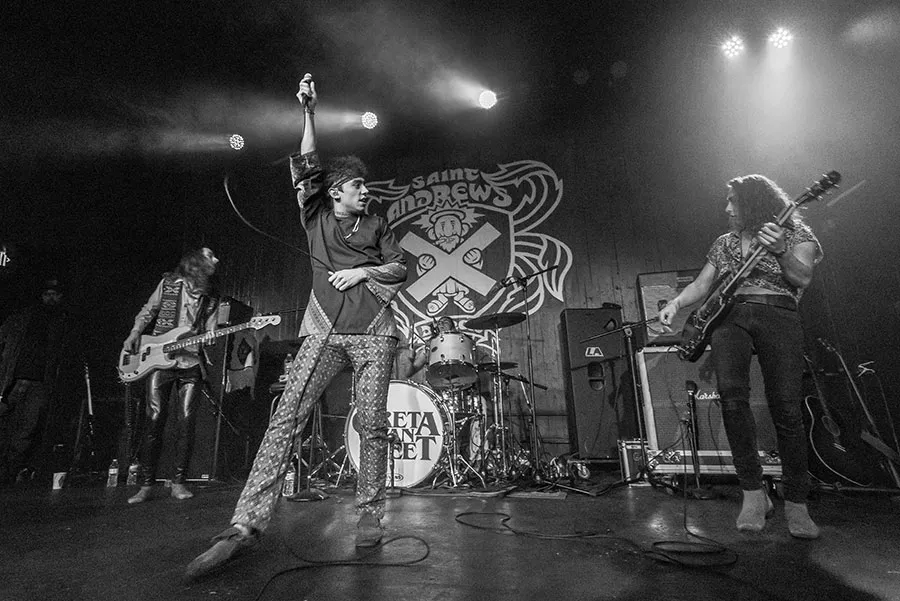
(733, 47)
(781, 37)
(369, 120)
(487, 99)
(236, 141)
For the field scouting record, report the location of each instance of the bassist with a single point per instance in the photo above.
(763, 319)
(182, 298)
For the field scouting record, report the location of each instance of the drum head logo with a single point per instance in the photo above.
(464, 231)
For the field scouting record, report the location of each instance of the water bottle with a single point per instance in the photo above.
(132, 474)
(113, 478)
(290, 478)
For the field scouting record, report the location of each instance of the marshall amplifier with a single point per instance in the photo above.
(665, 403)
(654, 291)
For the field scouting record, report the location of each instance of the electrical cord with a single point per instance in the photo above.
(684, 553)
(264, 233)
(361, 561)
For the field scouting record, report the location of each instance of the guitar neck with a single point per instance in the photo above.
(186, 342)
(818, 385)
(758, 250)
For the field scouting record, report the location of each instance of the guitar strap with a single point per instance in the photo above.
(167, 317)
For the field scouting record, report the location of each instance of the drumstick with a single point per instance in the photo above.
(416, 334)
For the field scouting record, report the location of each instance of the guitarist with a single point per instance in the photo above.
(764, 319)
(182, 298)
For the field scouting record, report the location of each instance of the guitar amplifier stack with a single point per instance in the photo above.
(665, 406)
(654, 291)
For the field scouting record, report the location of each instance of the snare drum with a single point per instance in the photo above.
(418, 420)
(462, 402)
(451, 361)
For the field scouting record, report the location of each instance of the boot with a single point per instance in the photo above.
(800, 524)
(228, 545)
(181, 492)
(142, 495)
(368, 531)
(756, 507)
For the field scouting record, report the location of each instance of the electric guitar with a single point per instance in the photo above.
(159, 352)
(85, 449)
(830, 462)
(701, 322)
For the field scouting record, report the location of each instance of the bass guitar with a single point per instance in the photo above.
(159, 352)
(829, 462)
(702, 321)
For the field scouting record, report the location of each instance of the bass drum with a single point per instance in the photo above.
(419, 422)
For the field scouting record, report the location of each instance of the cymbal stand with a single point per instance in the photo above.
(499, 422)
(535, 443)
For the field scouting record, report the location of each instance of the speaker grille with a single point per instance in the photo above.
(665, 401)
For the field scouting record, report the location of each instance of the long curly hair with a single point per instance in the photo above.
(197, 268)
(759, 200)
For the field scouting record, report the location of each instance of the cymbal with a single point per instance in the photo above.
(492, 366)
(495, 320)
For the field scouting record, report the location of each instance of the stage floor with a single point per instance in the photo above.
(87, 543)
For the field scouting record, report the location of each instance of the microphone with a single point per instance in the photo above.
(304, 98)
(691, 387)
(504, 283)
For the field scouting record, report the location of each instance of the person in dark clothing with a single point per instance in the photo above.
(33, 346)
(764, 320)
(182, 298)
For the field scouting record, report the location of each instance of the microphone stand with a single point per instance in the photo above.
(693, 436)
(628, 330)
(535, 443)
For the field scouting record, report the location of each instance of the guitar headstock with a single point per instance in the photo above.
(826, 345)
(820, 188)
(262, 321)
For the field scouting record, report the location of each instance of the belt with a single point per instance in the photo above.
(774, 300)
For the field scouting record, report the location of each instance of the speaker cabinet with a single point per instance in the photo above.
(599, 398)
(654, 291)
(665, 403)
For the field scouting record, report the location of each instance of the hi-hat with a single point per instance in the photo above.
(495, 320)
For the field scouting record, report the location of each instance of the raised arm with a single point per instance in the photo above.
(306, 171)
(309, 99)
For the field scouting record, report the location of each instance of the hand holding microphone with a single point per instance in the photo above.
(307, 94)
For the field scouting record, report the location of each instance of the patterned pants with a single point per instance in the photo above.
(372, 360)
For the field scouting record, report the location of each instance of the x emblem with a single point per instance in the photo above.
(450, 264)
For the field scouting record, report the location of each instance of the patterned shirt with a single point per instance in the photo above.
(726, 256)
(344, 243)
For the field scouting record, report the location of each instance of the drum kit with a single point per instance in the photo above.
(452, 430)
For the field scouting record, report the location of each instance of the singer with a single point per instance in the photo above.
(357, 267)
(764, 319)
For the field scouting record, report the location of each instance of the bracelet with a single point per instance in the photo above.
(309, 112)
(779, 255)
